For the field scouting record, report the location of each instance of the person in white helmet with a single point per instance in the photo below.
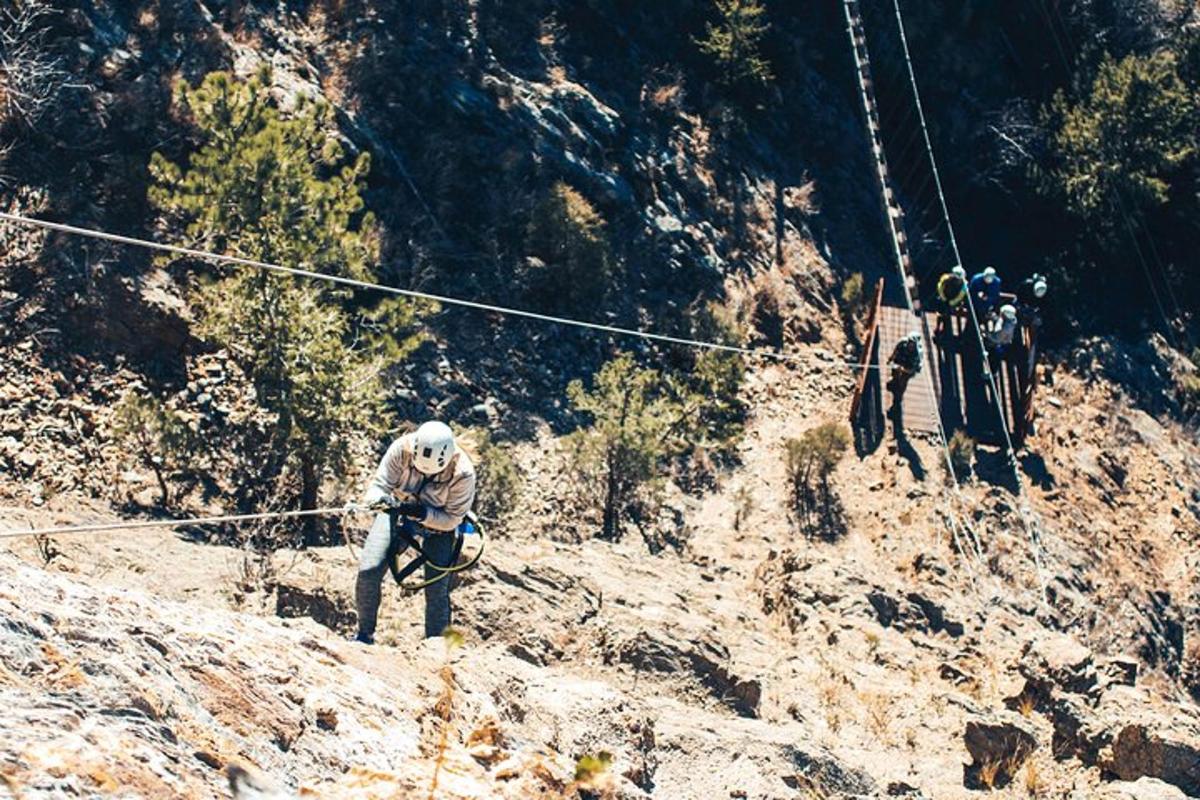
(430, 482)
(1030, 295)
(985, 291)
(905, 360)
(1000, 328)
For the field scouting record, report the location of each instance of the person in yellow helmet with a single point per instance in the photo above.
(952, 287)
(951, 293)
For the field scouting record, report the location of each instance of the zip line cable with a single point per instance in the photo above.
(1034, 537)
(418, 295)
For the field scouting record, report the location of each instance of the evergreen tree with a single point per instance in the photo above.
(733, 42)
(639, 420)
(155, 436)
(278, 188)
(1126, 139)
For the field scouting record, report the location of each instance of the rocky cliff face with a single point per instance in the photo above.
(752, 662)
(722, 653)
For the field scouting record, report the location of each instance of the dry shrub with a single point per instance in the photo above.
(30, 77)
(853, 294)
(667, 97)
(803, 198)
(962, 454)
(1033, 779)
(770, 307)
(989, 773)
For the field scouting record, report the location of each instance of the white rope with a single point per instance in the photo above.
(174, 523)
(1034, 538)
(414, 294)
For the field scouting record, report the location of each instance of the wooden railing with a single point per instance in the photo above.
(864, 366)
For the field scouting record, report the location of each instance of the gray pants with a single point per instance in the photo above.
(372, 566)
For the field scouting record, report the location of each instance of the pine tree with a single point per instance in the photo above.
(568, 234)
(733, 42)
(154, 435)
(278, 188)
(639, 419)
(1126, 139)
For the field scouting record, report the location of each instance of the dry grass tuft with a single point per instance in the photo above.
(1033, 779)
(989, 772)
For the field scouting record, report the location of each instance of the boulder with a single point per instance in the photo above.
(1078, 731)
(1060, 661)
(1118, 670)
(1141, 789)
(998, 742)
(331, 611)
(1151, 748)
(914, 612)
(705, 659)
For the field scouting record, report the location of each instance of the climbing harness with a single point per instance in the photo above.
(403, 539)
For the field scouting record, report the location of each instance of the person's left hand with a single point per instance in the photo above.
(412, 510)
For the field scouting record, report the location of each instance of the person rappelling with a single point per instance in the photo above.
(423, 491)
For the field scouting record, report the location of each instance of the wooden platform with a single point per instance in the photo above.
(959, 391)
(919, 408)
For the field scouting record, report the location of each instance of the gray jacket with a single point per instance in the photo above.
(447, 496)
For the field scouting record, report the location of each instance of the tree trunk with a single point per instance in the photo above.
(610, 501)
(163, 490)
(310, 485)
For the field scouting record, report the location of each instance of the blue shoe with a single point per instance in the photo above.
(364, 638)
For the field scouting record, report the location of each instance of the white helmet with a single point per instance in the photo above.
(959, 272)
(989, 274)
(433, 447)
(1039, 287)
(1008, 312)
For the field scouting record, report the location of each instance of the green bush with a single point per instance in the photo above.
(154, 435)
(639, 420)
(574, 268)
(1189, 392)
(498, 478)
(852, 293)
(962, 454)
(733, 42)
(811, 459)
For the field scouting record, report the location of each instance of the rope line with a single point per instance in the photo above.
(419, 295)
(177, 522)
(1034, 537)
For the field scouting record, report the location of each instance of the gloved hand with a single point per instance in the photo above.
(412, 510)
(383, 504)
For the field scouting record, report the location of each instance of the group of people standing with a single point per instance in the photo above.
(998, 320)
